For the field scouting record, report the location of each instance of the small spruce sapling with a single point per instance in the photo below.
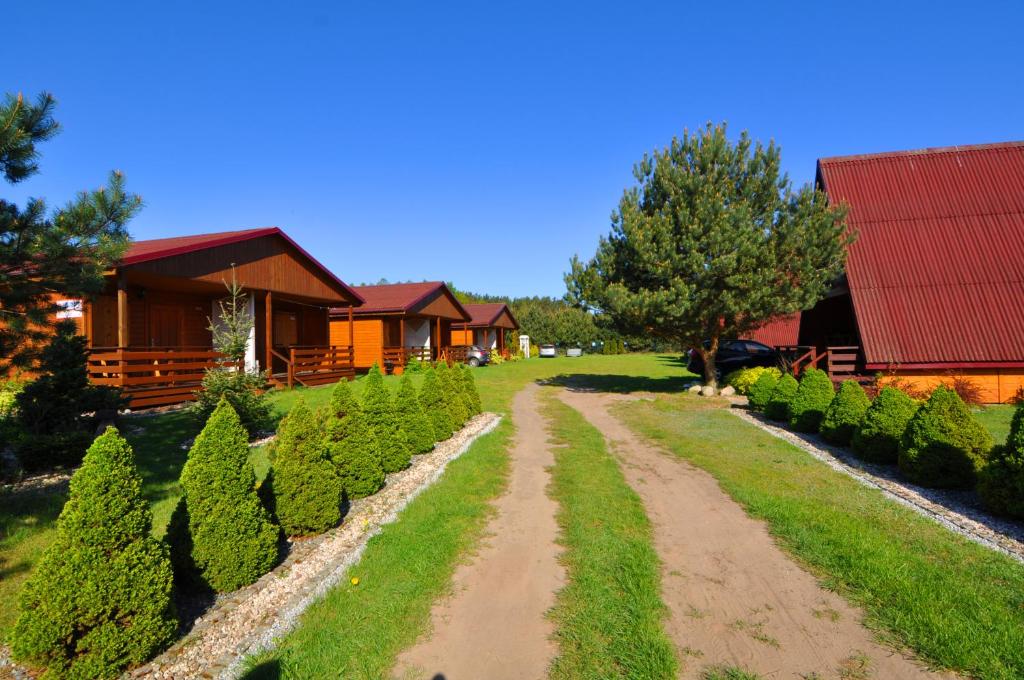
(303, 489)
(452, 391)
(845, 413)
(417, 428)
(99, 600)
(221, 535)
(383, 422)
(943, 445)
(782, 395)
(878, 438)
(351, 445)
(811, 400)
(435, 406)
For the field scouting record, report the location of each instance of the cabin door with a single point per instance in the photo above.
(165, 325)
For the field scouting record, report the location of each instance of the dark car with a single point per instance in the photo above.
(733, 354)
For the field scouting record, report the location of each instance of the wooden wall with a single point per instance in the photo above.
(461, 337)
(998, 386)
(369, 339)
(194, 311)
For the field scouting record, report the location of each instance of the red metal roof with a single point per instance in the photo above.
(782, 331)
(400, 297)
(484, 314)
(159, 248)
(937, 271)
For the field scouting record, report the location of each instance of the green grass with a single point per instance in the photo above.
(728, 673)
(609, 614)
(27, 519)
(997, 419)
(957, 604)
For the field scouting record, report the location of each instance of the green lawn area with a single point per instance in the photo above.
(608, 616)
(956, 604)
(27, 519)
(997, 419)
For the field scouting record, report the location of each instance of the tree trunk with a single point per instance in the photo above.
(708, 355)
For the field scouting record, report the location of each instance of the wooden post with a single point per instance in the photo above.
(438, 338)
(351, 339)
(269, 333)
(291, 368)
(401, 341)
(122, 312)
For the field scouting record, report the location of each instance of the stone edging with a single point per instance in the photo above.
(950, 508)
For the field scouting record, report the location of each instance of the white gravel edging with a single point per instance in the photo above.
(251, 620)
(945, 506)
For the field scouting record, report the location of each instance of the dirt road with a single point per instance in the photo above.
(493, 625)
(734, 597)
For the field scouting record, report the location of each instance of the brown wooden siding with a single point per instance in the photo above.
(369, 340)
(460, 337)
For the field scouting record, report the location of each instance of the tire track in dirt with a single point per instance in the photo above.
(494, 626)
(734, 597)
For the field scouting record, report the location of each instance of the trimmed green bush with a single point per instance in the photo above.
(100, 598)
(811, 400)
(1001, 481)
(760, 392)
(303, 489)
(246, 391)
(382, 420)
(943, 445)
(778, 403)
(351, 445)
(418, 431)
(470, 395)
(451, 388)
(877, 440)
(743, 379)
(845, 413)
(434, 405)
(220, 534)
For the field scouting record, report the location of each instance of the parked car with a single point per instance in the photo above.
(734, 354)
(548, 351)
(478, 356)
(574, 352)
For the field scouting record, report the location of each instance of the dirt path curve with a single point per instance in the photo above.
(734, 597)
(494, 626)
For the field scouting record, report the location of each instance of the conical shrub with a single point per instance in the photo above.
(943, 445)
(100, 598)
(452, 391)
(761, 391)
(382, 420)
(470, 394)
(221, 535)
(878, 438)
(778, 404)
(811, 400)
(1001, 481)
(418, 431)
(845, 413)
(303, 489)
(434, 405)
(351, 445)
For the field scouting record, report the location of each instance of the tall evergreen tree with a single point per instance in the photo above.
(451, 389)
(711, 243)
(220, 533)
(303, 489)
(435, 406)
(417, 428)
(379, 408)
(352, 446)
(100, 597)
(470, 395)
(46, 253)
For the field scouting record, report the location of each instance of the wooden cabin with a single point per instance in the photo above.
(934, 282)
(489, 323)
(149, 331)
(400, 322)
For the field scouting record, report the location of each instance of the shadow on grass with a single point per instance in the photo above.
(268, 670)
(620, 384)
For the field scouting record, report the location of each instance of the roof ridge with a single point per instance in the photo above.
(926, 151)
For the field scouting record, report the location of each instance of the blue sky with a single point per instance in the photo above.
(482, 143)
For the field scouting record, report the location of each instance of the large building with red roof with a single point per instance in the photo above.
(934, 283)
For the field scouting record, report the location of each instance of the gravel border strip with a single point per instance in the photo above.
(956, 510)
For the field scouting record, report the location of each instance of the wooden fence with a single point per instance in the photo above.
(152, 376)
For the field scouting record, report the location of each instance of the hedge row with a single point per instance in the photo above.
(101, 599)
(935, 443)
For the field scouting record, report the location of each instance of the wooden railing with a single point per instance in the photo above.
(311, 365)
(419, 353)
(152, 376)
(456, 354)
(843, 362)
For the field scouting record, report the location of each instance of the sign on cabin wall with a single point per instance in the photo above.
(69, 309)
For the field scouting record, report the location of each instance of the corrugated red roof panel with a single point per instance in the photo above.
(781, 331)
(937, 271)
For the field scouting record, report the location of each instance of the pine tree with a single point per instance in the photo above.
(435, 406)
(99, 600)
(382, 419)
(452, 391)
(303, 489)
(417, 428)
(220, 533)
(711, 243)
(42, 252)
(351, 445)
